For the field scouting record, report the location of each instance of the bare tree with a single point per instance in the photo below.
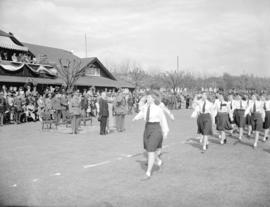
(173, 79)
(70, 71)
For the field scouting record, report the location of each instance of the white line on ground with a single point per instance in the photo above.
(125, 155)
(56, 174)
(14, 185)
(97, 164)
(35, 180)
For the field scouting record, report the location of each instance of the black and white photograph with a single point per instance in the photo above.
(135, 103)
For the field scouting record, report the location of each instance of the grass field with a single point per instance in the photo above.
(55, 168)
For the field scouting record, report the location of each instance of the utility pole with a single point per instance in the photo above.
(177, 63)
(85, 46)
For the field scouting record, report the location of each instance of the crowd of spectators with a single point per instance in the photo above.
(25, 104)
(17, 57)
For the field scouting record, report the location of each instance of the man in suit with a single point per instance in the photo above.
(103, 113)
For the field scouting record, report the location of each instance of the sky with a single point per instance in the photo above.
(210, 36)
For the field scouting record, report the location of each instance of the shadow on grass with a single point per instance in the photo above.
(194, 143)
(266, 150)
(143, 165)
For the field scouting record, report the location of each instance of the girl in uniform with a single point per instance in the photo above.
(223, 119)
(239, 115)
(257, 113)
(231, 103)
(156, 128)
(204, 120)
(248, 116)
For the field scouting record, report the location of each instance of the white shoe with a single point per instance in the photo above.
(222, 142)
(148, 174)
(255, 145)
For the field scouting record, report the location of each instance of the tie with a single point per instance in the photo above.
(241, 105)
(231, 104)
(204, 105)
(264, 106)
(147, 114)
(254, 107)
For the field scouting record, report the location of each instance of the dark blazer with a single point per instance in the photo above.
(2, 104)
(103, 108)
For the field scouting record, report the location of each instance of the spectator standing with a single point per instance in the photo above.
(120, 111)
(2, 107)
(64, 106)
(84, 106)
(75, 111)
(56, 106)
(103, 113)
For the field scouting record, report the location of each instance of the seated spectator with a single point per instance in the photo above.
(21, 91)
(28, 92)
(31, 112)
(5, 56)
(34, 60)
(14, 57)
(20, 57)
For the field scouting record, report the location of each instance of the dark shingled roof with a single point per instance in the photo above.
(53, 54)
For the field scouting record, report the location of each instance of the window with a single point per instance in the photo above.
(92, 70)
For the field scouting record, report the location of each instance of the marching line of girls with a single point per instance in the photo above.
(231, 113)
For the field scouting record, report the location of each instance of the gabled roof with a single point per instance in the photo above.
(53, 54)
(91, 60)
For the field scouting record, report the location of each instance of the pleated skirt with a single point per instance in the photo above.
(256, 121)
(152, 137)
(266, 124)
(248, 119)
(223, 121)
(204, 123)
(239, 118)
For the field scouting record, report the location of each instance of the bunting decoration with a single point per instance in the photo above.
(36, 68)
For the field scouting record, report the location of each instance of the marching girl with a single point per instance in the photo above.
(204, 109)
(257, 114)
(266, 124)
(158, 102)
(223, 119)
(215, 111)
(239, 115)
(248, 116)
(231, 103)
(156, 128)
(196, 111)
